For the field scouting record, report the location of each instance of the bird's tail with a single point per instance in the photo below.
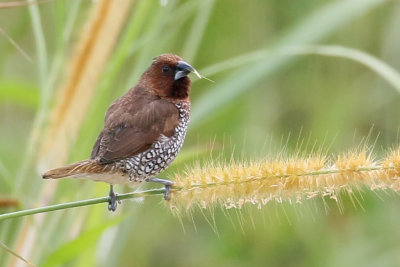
(75, 170)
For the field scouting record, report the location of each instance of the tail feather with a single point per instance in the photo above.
(73, 170)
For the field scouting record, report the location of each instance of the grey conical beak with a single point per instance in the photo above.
(183, 69)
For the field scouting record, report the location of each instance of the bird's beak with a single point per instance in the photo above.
(183, 69)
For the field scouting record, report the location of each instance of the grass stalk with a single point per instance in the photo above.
(384, 70)
(293, 179)
(80, 203)
(9, 250)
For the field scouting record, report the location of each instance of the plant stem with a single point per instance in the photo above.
(180, 188)
(80, 203)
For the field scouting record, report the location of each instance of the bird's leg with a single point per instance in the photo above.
(112, 199)
(167, 184)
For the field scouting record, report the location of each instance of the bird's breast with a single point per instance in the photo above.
(161, 153)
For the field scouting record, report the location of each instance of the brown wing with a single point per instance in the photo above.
(135, 130)
(96, 147)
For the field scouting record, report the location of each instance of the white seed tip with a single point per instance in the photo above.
(201, 76)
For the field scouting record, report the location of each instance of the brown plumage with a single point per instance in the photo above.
(143, 130)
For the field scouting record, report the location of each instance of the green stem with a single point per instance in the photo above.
(80, 203)
(162, 190)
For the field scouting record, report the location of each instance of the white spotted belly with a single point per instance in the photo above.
(160, 155)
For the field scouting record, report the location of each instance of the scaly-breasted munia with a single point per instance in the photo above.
(143, 130)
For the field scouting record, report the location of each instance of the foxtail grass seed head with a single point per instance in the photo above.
(294, 180)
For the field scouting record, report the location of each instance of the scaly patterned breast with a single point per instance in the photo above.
(160, 155)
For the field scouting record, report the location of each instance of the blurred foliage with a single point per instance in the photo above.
(265, 106)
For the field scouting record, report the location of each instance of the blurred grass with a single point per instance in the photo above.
(74, 248)
(19, 93)
(251, 109)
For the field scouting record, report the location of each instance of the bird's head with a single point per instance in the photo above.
(167, 77)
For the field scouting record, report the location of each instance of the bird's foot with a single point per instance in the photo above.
(167, 184)
(167, 189)
(112, 200)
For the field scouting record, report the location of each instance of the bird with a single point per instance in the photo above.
(143, 130)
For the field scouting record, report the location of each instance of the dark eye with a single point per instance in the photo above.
(165, 69)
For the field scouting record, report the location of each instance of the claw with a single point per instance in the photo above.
(112, 200)
(167, 184)
(166, 194)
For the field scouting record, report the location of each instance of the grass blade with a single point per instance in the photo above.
(75, 247)
(316, 27)
(20, 50)
(388, 73)
(197, 30)
(9, 250)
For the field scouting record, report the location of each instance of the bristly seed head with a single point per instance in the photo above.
(294, 180)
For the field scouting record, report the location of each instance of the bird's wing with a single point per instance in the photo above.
(135, 131)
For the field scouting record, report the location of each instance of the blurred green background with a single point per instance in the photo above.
(256, 107)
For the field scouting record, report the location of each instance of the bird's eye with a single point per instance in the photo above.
(165, 69)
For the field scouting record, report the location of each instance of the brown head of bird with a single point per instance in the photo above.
(167, 77)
